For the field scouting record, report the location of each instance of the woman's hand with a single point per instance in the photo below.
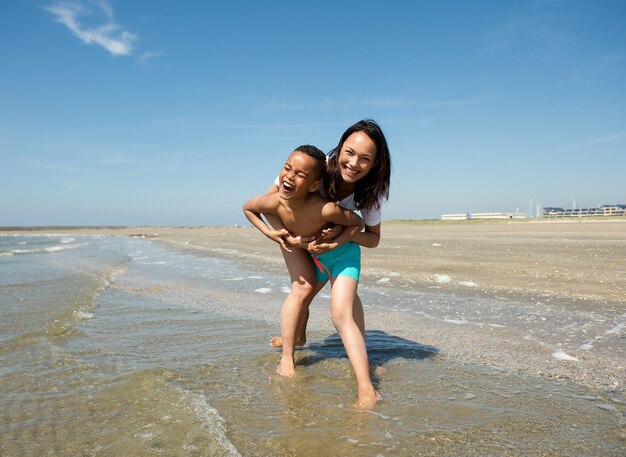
(331, 233)
(316, 247)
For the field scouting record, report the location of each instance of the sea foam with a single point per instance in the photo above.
(442, 279)
(560, 355)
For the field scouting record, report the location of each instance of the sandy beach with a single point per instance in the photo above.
(497, 339)
(570, 278)
(569, 259)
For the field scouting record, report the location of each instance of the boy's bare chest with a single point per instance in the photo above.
(304, 222)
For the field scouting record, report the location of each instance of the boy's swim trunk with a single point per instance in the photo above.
(342, 261)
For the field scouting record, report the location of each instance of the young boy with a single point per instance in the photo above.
(304, 212)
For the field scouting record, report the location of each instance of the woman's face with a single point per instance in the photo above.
(356, 157)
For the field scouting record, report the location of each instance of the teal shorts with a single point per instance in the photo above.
(342, 261)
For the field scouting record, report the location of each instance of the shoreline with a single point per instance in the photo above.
(558, 259)
(556, 288)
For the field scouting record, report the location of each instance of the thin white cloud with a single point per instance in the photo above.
(148, 55)
(399, 103)
(108, 35)
(596, 141)
(104, 6)
(608, 138)
(370, 102)
(122, 159)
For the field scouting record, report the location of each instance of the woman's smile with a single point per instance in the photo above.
(357, 156)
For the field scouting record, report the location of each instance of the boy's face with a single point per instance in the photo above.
(297, 178)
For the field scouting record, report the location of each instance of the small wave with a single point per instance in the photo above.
(55, 248)
(110, 276)
(47, 250)
(560, 355)
(442, 279)
(263, 290)
(26, 251)
(80, 314)
(211, 421)
(615, 329)
(456, 321)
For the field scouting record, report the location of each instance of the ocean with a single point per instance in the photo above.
(122, 346)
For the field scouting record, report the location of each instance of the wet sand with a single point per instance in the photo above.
(498, 339)
(533, 296)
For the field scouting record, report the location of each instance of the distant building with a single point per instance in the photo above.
(470, 216)
(604, 210)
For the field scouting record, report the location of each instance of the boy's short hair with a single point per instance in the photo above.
(319, 156)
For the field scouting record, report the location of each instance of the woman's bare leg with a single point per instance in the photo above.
(359, 316)
(342, 304)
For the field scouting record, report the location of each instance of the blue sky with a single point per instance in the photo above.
(174, 113)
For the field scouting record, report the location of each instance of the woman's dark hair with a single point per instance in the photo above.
(373, 187)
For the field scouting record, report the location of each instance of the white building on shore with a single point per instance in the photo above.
(470, 216)
(604, 210)
(545, 213)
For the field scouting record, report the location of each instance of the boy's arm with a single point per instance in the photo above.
(273, 219)
(264, 204)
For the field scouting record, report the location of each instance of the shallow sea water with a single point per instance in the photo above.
(123, 346)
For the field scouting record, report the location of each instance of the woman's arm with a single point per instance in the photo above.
(369, 238)
(350, 222)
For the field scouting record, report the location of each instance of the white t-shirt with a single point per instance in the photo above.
(371, 217)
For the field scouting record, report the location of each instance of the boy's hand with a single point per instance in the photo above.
(331, 233)
(298, 241)
(279, 236)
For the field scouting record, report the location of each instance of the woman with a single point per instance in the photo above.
(358, 178)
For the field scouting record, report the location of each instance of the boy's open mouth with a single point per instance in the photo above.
(288, 187)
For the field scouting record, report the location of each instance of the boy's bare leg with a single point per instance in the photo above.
(303, 286)
(300, 337)
(342, 304)
(289, 316)
(302, 276)
(307, 297)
